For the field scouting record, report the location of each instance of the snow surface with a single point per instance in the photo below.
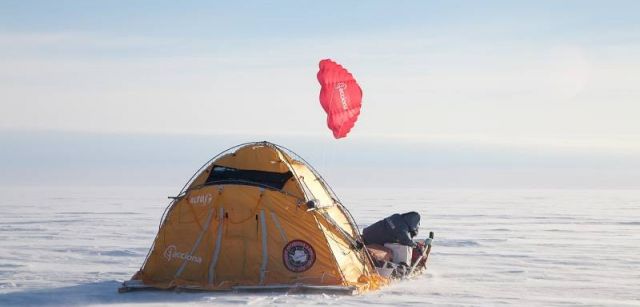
(74, 246)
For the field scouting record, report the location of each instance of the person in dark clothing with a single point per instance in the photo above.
(398, 228)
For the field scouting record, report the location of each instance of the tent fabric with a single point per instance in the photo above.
(226, 235)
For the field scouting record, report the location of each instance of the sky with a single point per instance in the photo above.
(479, 84)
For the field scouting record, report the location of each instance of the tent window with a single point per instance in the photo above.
(229, 175)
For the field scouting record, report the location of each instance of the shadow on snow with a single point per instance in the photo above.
(106, 292)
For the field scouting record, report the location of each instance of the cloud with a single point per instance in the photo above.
(430, 86)
(55, 158)
(73, 40)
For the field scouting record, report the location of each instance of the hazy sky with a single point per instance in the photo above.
(561, 75)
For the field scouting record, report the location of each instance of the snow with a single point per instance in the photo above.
(75, 245)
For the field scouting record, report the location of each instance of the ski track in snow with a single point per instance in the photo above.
(74, 246)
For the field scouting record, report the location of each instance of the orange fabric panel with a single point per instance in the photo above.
(254, 157)
(185, 223)
(201, 178)
(341, 219)
(349, 262)
(241, 248)
(317, 190)
(297, 224)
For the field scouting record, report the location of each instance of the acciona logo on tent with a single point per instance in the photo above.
(171, 253)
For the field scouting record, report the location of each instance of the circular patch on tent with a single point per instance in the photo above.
(298, 256)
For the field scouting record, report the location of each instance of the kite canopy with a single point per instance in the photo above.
(255, 217)
(340, 97)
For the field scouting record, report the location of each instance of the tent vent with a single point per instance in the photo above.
(230, 175)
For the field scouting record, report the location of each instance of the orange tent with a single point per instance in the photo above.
(257, 217)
